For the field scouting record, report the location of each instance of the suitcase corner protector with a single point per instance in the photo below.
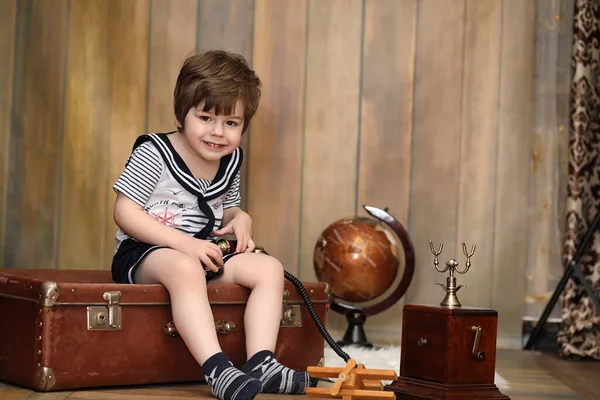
(44, 379)
(49, 293)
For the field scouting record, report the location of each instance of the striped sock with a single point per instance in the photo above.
(276, 378)
(227, 382)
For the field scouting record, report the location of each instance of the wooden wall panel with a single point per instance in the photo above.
(85, 143)
(331, 129)
(479, 138)
(563, 94)
(129, 64)
(276, 156)
(229, 25)
(386, 120)
(32, 194)
(7, 40)
(544, 267)
(436, 141)
(513, 174)
(226, 25)
(173, 29)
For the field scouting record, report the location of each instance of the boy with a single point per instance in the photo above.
(177, 189)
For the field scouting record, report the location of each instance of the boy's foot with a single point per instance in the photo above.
(227, 382)
(275, 378)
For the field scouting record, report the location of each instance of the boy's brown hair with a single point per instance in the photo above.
(219, 79)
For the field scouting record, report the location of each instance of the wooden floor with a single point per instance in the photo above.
(530, 375)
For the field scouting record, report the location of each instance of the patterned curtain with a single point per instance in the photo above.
(580, 333)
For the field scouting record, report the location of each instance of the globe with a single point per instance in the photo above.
(358, 258)
(368, 263)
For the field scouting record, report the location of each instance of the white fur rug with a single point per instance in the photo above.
(387, 357)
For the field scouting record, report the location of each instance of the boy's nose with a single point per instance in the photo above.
(218, 130)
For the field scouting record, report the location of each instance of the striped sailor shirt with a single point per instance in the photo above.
(156, 178)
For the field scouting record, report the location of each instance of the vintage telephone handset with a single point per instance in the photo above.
(228, 247)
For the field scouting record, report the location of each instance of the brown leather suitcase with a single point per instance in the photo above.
(66, 329)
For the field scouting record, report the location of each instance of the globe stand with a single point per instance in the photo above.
(355, 333)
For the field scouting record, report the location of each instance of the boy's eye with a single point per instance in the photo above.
(204, 118)
(232, 123)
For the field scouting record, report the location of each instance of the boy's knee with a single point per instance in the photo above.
(186, 271)
(273, 268)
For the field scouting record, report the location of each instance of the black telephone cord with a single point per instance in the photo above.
(227, 246)
(315, 317)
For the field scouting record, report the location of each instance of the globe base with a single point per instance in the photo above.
(355, 333)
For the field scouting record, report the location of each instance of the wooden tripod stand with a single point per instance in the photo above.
(354, 382)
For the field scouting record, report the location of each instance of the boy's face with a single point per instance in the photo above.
(212, 136)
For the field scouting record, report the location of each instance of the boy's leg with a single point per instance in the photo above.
(263, 274)
(184, 279)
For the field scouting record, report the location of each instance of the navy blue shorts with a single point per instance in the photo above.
(130, 255)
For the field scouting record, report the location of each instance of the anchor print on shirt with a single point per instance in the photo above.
(167, 212)
(166, 217)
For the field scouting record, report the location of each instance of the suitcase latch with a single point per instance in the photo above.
(291, 314)
(105, 318)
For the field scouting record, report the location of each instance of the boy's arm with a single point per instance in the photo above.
(242, 228)
(134, 221)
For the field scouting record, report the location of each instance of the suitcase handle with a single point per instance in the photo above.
(223, 327)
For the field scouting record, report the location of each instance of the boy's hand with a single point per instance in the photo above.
(241, 227)
(208, 253)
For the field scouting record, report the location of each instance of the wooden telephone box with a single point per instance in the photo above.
(447, 353)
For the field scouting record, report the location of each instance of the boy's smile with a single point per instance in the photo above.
(214, 146)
